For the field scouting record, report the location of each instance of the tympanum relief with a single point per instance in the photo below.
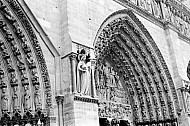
(113, 100)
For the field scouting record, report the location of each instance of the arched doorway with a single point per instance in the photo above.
(132, 78)
(25, 92)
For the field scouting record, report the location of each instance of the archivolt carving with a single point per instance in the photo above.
(134, 55)
(23, 69)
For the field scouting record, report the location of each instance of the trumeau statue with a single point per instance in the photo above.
(83, 73)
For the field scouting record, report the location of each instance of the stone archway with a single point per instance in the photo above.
(25, 92)
(124, 43)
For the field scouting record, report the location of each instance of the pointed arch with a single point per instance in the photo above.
(24, 80)
(131, 50)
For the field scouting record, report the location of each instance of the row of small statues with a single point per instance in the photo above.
(18, 102)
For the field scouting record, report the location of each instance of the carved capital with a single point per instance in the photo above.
(72, 56)
(93, 62)
(59, 99)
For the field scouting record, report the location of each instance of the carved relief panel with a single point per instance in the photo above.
(113, 100)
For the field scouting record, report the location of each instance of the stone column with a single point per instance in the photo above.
(60, 100)
(72, 58)
(93, 63)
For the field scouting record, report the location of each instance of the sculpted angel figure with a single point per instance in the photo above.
(83, 73)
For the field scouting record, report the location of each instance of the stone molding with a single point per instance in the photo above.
(23, 67)
(14, 5)
(85, 99)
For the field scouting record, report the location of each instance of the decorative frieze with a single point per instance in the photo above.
(170, 11)
(114, 110)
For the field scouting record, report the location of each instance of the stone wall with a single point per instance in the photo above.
(77, 21)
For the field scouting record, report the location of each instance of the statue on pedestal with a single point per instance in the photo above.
(83, 73)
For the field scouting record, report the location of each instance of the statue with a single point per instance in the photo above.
(106, 74)
(83, 73)
(27, 104)
(112, 77)
(35, 78)
(4, 99)
(30, 61)
(188, 102)
(13, 80)
(15, 98)
(37, 97)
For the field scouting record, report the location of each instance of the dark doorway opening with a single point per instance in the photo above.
(106, 122)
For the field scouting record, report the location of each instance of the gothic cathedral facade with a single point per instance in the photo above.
(94, 62)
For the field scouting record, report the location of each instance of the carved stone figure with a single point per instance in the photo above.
(4, 99)
(1, 74)
(35, 78)
(149, 6)
(16, 50)
(37, 97)
(30, 61)
(13, 80)
(9, 65)
(4, 52)
(156, 9)
(188, 102)
(83, 74)
(15, 98)
(27, 104)
(24, 77)
(9, 15)
(112, 77)
(106, 74)
(26, 48)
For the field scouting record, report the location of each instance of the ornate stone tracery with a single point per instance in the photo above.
(133, 54)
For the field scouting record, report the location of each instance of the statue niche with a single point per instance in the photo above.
(83, 73)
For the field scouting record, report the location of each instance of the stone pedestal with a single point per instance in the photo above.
(80, 111)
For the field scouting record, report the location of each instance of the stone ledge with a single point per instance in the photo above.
(85, 99)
